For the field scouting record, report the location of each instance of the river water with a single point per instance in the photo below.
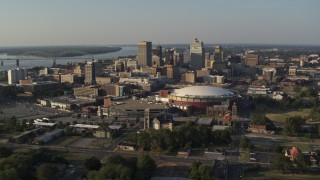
(31, 61)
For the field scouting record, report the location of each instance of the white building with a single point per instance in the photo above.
(15, 75)
(258, 90)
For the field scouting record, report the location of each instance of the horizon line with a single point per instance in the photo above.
(154, 44)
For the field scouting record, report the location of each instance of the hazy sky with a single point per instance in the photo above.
(98, 22)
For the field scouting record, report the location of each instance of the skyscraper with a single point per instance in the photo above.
(90, 74)
(197, 53)
(15, 75)
(157, 56)
(252, 60)
(144, 54)
(218, 53)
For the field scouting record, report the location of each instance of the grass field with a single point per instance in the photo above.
(65, 141)
(282, 116)
(301, 146)
(100, 143)
(76, 157)
(244, 156)
(267, 174)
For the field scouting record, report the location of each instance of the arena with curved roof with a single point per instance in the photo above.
(200, 97)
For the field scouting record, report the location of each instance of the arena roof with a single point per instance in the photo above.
(202, 91)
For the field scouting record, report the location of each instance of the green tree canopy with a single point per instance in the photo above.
(199, 171)
(9, 174)
(118, 167)
(302, 162)
(92, 164)
(263, 120)
(5, 152)
(293, 124)
(245, 143)
(282, 163)
(47, 172)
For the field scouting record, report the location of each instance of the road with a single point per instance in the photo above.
(234, 170)
(100, 153)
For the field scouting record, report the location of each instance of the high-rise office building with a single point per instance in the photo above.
(144, 54)
(218, 53)
(157, 56)
(252, 60)
(157, 51)
(98, 68)
(15, 75)
(90, 74)
(169, 53)
(197, 53)
(79, 70)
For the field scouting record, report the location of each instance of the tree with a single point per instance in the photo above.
(282, 163)
(244, 142)
(5, 152)
(146, 165)
(194, 170)
(315, 114)
(263, 120)
(117, 159)
(144, 140)
(199, 171)
(92, 164)
(118, 167)
(302, 162)
(293, 124)
(277, 149)
(206, 172)
(10, 174)
(124, 125)
(46, 172)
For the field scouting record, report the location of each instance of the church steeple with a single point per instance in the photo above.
(234, 111)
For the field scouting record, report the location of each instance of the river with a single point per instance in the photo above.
(31, 61)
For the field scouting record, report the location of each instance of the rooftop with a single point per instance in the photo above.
(44, 124)
(85, 126)
(202, 91)
(138, 104)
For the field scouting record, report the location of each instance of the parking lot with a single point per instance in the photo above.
(262, 157)
(27, 111)
(82, 143)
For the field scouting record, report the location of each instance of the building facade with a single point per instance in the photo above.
(90, 76)
(144, 54)
(252, 60)
(197, 53)
(15, 75)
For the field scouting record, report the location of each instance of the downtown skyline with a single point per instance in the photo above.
(83, 22)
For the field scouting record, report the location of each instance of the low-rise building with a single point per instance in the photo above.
(188, 77)
(102, 133)
(252, 90)
(69, 78)
(103, 80)
(85, 126)
(41, 87)
(47, 137)
(124, 146)
(256, 128)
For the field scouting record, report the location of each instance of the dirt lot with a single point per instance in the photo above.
(172, 169)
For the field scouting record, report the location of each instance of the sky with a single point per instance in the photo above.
(108, 22)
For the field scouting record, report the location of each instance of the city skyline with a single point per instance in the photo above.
(83, 22)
